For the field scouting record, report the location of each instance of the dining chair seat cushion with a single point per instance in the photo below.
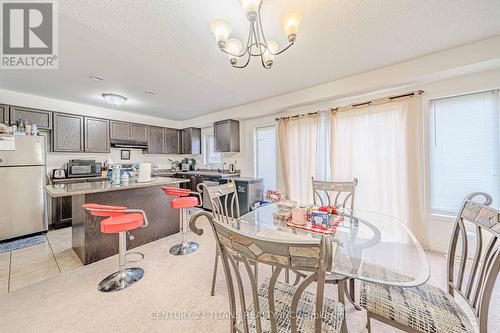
(121, 223)
(333, 311)
(184, 202)
(424, 308)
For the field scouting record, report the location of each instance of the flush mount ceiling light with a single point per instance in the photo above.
(114, 99)
(257, 45)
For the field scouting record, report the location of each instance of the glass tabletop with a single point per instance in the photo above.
(370, 246)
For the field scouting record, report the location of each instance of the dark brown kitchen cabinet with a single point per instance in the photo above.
(96, 135)
(172, 141)
(42, 118)
(191, 141)
(4, 114)
(119, 130)
(67, 135)
(156, 140)
(227, 136)
(138, 133)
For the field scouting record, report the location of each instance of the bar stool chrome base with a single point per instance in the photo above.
(184, 248)
(121, 279)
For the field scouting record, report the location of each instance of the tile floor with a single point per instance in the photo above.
(29, 265)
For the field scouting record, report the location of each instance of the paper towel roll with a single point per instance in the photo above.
(144, 173)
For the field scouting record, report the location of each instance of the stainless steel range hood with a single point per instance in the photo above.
(115, 143)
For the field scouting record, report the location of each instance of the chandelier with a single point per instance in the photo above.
(257, 45)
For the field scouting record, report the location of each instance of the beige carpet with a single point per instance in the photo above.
(173, 296)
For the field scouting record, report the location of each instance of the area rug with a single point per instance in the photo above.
(20, 243)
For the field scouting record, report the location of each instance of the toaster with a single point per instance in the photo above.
(58, 173)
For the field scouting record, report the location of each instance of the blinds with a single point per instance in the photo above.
(464, 149)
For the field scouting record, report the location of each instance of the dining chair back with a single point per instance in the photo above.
(224, 200)
(274, 305)
(472, 272)
(333, 193)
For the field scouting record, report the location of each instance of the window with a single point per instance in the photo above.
(265, 152)
(211, 157)
(464, 149)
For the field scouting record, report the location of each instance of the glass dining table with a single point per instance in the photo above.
(370, 246)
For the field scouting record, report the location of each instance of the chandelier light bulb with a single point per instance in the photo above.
(251, 8)
(234, 47)
(290, 24)
(221, 29)
(272, 48)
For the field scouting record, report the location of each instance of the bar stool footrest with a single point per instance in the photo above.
(140, 254)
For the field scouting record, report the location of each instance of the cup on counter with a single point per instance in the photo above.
(299, 215)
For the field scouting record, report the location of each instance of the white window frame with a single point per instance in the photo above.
(429, 214)
(207, 154)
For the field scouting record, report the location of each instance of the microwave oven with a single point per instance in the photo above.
(83, 168)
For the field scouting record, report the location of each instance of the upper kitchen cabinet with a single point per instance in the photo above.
(139, 133)
(4, 114)
(129, 132)
(156, 140)
(172, 141)
(67, 135)
(96, 135)
(119, 130)
(191, 141)
(227, 136)
(42, 118)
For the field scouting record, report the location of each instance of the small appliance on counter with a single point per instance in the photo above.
(58, 173)
(83, 168)
(188, 164)
(144, 173)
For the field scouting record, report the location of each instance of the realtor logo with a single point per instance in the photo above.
(29, 34)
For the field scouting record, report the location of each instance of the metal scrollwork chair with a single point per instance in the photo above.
(431, 309)
(225, 209)
(331, 194)
(275, 306)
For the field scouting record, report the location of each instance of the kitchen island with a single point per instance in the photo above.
(87, 240)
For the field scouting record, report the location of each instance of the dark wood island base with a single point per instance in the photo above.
(91, 245)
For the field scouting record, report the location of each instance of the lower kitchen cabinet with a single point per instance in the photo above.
(96, 135)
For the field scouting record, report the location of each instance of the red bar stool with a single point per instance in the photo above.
(119, 220)
(183, 202)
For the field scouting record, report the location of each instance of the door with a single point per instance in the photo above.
(96, 135)
(139, 133)
(42, 118)
(172, 141)
(68, 133)
(4, 114)
(120, 130)
(23, 210)
(156, 140)
(265, 153)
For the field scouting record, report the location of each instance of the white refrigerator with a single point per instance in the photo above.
(22, 186)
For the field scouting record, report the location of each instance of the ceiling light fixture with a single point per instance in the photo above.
(257, 45)
(114, 99)
(96, 78)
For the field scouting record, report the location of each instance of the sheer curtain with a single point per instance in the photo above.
(379, 145)
(298, 140)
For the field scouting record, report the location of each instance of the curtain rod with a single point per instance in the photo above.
(353, 106)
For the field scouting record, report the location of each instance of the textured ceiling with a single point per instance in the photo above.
(167, 47)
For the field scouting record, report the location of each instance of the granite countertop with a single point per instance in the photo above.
(196, 173)
(64, 190)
